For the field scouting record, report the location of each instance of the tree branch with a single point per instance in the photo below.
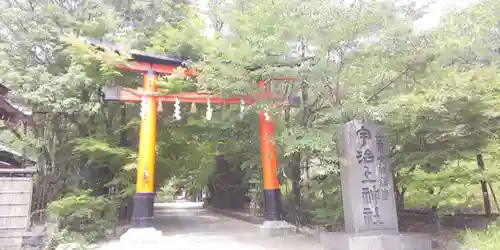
(377, 92)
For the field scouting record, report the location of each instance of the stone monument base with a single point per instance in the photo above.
(277, 228)
(376, 241)
(137, 238)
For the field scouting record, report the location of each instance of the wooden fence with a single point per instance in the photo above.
(15, 207)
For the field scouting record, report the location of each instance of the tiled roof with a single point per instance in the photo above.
(9, 111)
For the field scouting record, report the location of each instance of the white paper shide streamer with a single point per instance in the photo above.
(266, 115)
(144, 102)
(242, 108)
(177, 109)
(209, 110)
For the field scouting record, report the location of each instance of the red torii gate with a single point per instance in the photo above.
(151, 66)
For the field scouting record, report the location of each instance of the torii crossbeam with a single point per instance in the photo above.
(151, 66)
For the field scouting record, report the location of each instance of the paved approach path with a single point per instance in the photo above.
(186, 226)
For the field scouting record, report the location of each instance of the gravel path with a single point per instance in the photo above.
(185, 225)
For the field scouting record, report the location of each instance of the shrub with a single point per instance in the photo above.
(488, 239)
(82, 214)
(166, 193)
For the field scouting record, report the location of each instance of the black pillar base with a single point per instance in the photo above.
(272, 205)
(142, 215)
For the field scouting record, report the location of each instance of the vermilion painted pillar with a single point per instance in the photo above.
(144, 197)
(272, 194)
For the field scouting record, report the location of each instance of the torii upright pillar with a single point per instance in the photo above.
(144, 197)
(272, 194)
(274, 224)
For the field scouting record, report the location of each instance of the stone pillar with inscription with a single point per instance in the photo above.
(370, 214)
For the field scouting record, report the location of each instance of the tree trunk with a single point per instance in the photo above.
(484, 186)
(296, 192)
(400, 198)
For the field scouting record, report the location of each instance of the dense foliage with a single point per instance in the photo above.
(435, 90)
